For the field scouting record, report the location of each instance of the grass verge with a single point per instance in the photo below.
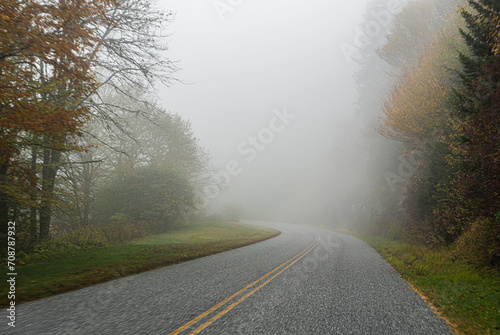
(467, 298)
(75, 269)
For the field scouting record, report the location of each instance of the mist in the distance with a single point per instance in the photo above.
(269, 91)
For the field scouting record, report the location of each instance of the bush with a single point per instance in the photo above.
(233, 211)
(147, 194)
(477, 245)
(86, 237)
(395, 231)
(119, 230)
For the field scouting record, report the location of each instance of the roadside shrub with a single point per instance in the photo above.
(120, 232)
(395, 231)
(477, 245)
(146, 194)
(82, 238)
(86, 237)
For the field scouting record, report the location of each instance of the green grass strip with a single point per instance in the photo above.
(468, 298)
(75, 269)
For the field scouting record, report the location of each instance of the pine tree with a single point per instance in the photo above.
(478, 107)
(482, 36)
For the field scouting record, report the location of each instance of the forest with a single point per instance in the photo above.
(88, 157)
(428, 83)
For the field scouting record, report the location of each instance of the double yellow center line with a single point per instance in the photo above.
(251, 290)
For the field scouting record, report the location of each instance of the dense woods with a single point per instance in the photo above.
(87, 156)
(86, 150)
(435, 180)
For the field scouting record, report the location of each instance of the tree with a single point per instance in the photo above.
(129, 55)
(233, 211)
(147, 194)
(57, 57)
(155, 140)
(373, 83)
(417, 108)
(45, 78)
(418, 113)
(478, 106)
(413, 31)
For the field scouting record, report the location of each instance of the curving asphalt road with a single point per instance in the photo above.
(305, 281)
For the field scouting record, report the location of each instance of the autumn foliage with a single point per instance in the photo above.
(447, 109)
(47, 50)
(59, 59)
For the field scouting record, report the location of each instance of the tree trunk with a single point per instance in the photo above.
(51, 160)
(33, 198)
(86, 187)
(4, 204)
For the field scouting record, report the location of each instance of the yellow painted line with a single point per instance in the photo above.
(234, 304)
(207, 312)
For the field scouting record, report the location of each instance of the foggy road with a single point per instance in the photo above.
(305, 281)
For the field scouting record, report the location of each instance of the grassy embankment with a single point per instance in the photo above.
(468, 298)
(75, 269)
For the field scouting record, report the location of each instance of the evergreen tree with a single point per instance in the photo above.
(478, 107)
(482, 36)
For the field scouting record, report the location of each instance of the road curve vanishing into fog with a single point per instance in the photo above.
(305, 281)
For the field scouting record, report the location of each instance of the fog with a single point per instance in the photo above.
(271, 96)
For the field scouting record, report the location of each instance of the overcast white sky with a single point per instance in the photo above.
(250, 58)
